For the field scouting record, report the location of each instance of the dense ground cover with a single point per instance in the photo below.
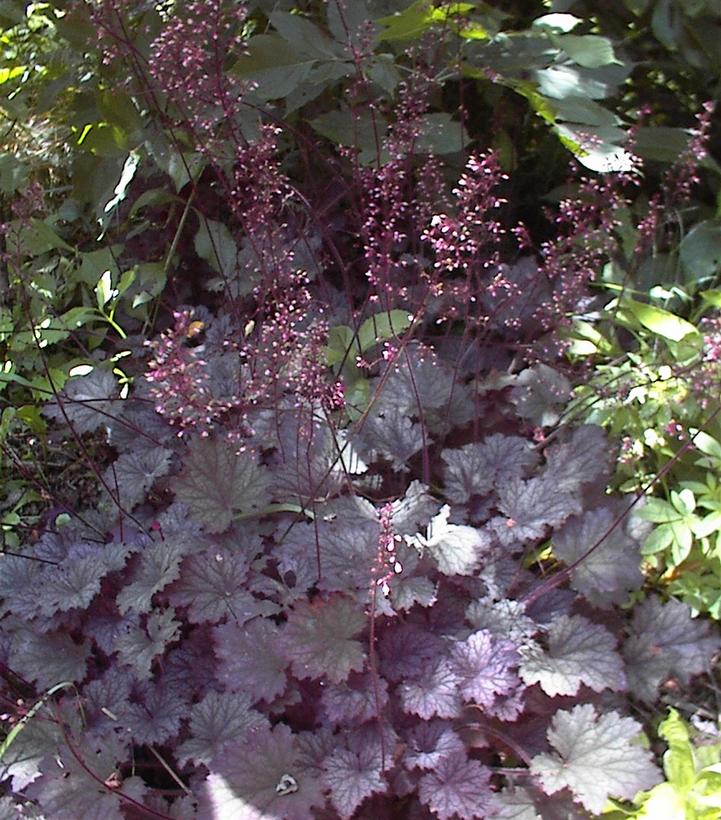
(360, 418)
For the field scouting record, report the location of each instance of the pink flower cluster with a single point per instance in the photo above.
(287, 355)
(465, 244)
(706, 375)
(180, 382)
(188, 62)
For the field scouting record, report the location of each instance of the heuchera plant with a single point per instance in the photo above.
(353, 658)
(311, 587)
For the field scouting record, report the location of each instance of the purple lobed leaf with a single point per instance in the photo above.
(435, 693)
(530, 508)
(319, 638)
(259, 777)
(612, 570)
(137, 646)
(251, 658)
(351, 776)
(484, 666)
(457, 549)
(407, 650)
(133, 474)
(579, 652)
(594, 758)
(663, 641)
(219, 719)
(457, 788)
(479, 467)
(212, 587)
(355, 702)
(430, 742)
(217, 482)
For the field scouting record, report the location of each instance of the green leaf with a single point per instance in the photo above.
(659, 143)
(684, 501)
(275, 65)
(678, 762)
(214, 243)
(659, 321)
(104, 290)
(347, 21)
(559, 22)
(407, 24)
(713, 297)
(441, 134)
(10, 73)
(706, 444)
(708, 525)
(588, 51)
(304, 35)
(700, 250)
(121, 189)
(660, 539)
(93, 264)
(658, 511)
(382, 326)
(342, 345)
(359, 130)
(682, 543)
(39, 238)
